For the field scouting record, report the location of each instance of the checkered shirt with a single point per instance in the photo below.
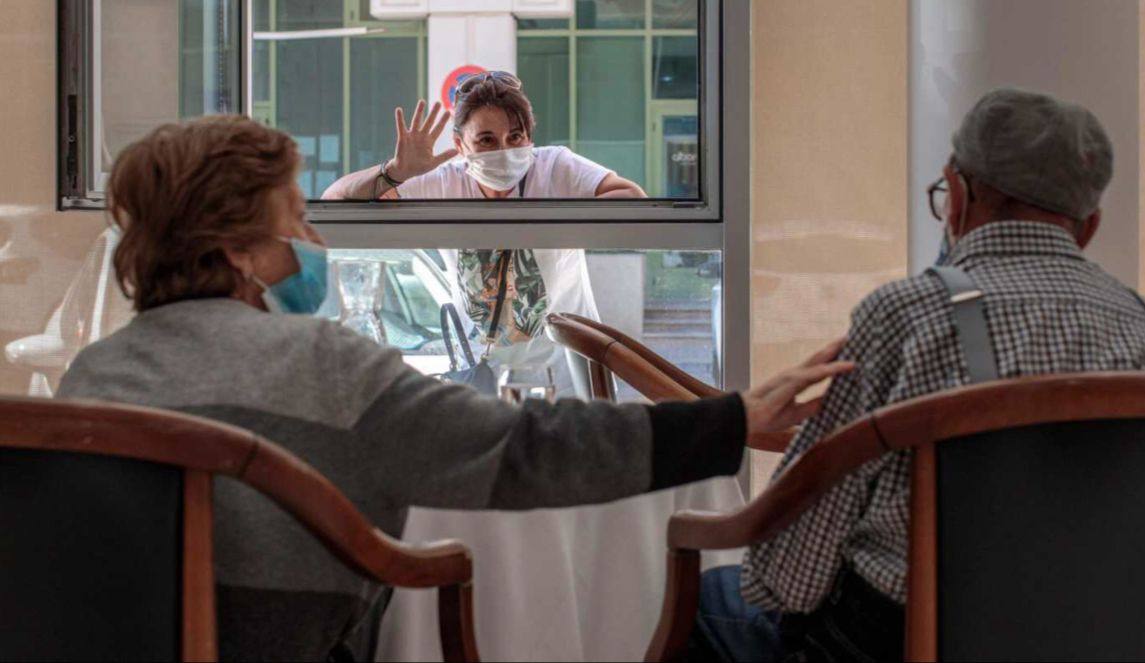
(1049, 310)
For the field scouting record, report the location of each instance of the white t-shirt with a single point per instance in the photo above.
(557, 172)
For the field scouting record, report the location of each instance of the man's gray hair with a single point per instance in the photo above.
(1036, 149)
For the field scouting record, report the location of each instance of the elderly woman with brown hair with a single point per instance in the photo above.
(215, 254)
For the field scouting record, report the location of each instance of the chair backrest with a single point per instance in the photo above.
(107, 515)
(1039, 542)
(611, 352)
(1024, 499)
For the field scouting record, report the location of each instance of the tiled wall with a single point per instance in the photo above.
(829, 202)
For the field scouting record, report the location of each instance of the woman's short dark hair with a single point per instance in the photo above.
(184, 193)
(494, 93)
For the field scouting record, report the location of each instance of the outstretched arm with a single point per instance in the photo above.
(615, 186)
(413, 156)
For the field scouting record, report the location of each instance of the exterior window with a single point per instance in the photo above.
(675, 14)
(543, 65)
(629, 96)
(610, 104)
(610, 14)
(653, 90)
(607, 82)
(670, 301)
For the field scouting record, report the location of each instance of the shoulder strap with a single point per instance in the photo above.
(502, 287)
(450, 318)
(969, 323)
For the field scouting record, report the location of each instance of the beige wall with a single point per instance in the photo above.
(829, 201)
(40, 249)
(1141, 152)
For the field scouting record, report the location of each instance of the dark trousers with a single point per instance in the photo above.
(855, 623)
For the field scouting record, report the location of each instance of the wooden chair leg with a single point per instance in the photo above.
(455, 622)
(200, 641)
(922, 572)
(681, 601)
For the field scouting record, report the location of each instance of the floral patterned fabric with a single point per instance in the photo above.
(526, 299)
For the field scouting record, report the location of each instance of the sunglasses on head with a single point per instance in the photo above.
(502, 77)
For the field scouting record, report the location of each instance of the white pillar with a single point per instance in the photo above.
(464, 39)
(1085, 52)
(468, 35)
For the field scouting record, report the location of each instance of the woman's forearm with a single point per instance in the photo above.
(361, 185)
(615, 186)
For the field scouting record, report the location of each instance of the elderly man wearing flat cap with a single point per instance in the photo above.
(1020, 199)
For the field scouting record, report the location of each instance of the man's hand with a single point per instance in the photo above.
(771, 407)
(414, 153)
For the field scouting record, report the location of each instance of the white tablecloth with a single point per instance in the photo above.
(581, 584)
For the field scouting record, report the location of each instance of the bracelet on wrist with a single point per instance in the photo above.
(385, 177)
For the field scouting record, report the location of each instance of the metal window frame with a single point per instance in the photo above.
(708, 209)
(78, 103)
(721, 221)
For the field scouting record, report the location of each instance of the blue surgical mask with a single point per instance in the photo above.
(943, 249)
(304, 291)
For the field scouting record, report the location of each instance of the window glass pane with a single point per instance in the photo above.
(308, 84)
(611, 104)
(208, 61)
(668, 300)
(543, 66)
(609, 14)
(308, 14)
(542, 24)
(630, 107)
(260, 58)
(680, 156)
(676, 14)
(374, 59)
(156, 61)
(260, 14)
(675, 68)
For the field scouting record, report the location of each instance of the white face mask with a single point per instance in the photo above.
(500, 170)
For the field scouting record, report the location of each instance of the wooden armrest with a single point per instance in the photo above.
(774, 442)
(796, 490)
(812, 475)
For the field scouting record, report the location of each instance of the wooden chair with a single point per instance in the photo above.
(1025, 533)
(610, 352)
(100, 502)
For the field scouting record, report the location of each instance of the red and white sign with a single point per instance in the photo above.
(454, 79)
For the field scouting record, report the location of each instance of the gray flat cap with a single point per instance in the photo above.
(1037, 149)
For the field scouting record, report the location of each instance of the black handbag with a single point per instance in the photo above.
(478, 374)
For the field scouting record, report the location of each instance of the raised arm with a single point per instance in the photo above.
(413, 156)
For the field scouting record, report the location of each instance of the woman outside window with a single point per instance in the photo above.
(493, 130)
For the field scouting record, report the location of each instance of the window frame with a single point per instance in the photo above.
(80, 178)
(719, 221)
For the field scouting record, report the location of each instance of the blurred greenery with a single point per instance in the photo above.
(676, 276)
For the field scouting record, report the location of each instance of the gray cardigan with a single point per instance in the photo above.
(386, 436)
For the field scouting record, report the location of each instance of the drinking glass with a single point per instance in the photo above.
(517, 385)
(360, 284)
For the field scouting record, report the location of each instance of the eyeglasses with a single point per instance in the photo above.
(502, 77)
(939, 193)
